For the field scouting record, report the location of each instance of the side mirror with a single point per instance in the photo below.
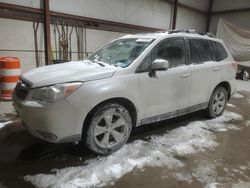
(160, 64)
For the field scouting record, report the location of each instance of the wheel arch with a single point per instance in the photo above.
(128, 104)
(225, 85)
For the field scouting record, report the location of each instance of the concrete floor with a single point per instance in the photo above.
(226, 166)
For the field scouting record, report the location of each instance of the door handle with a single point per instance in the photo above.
(185, 75)
(216, 68)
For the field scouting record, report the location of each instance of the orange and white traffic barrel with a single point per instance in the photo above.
(10, 71)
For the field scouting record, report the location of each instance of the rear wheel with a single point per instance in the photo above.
(217, 103)
(109, 129)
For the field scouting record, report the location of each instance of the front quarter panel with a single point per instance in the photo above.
(92, 93)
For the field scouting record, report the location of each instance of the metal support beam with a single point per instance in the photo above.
(47, 40)
(231, 11)
(209, 14)
(174, 14)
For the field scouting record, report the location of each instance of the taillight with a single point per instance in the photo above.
(235, 65)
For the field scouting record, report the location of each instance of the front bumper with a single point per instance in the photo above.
(54, 122)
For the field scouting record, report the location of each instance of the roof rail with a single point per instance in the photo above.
(210, 35)
(181, 31)
(189, 31)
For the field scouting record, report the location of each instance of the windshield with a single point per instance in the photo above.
(121, 52)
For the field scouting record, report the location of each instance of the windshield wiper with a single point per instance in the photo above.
(99, 63)
(94, 61)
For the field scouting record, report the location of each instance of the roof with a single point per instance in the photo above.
(181, 32)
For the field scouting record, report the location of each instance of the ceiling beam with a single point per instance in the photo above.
(231, 11)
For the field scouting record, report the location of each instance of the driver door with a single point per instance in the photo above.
(166, 93)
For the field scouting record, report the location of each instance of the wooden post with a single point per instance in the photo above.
(209, 14)
(175, 14)
(47, 40)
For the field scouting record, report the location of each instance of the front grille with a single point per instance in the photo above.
(21, 90)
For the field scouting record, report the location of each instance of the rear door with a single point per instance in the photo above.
(201, 64)
(221, 64)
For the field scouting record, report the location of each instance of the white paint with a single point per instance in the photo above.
(10, 72)
(8, 86)
(158, 152)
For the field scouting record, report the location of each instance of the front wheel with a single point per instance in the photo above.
(217, 103)
(108, 129)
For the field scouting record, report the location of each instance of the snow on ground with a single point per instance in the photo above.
(240, 184)
(231, 105)
(2, 125)
(247, 123)
(205, 172)
(159, 151)
(212, 185)
(243, 85)
(238, 96)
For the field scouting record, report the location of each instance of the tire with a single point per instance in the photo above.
(217, 103)
(109, 128)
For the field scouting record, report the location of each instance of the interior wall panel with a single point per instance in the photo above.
(187, 19)
(96, 38)
(27, 3)
(220, 5)
(198, 4)
(139, 12)
(20, 44)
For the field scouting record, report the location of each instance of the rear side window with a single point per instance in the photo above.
(218, 50)
(200, 51)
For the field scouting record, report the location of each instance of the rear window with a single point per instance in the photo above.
(218, 50)
(200, 51)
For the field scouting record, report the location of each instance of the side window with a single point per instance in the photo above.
(146, 64)
(173, 50)
(218, 50)
(199, 51)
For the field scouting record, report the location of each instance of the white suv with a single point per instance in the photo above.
(134, 80)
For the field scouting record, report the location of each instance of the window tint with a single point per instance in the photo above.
(200, 51)
(173, 50)
(218, 50)
(146, 64)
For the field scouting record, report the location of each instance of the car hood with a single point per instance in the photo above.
(67, 72)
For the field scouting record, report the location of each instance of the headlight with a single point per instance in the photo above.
(56, 92)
